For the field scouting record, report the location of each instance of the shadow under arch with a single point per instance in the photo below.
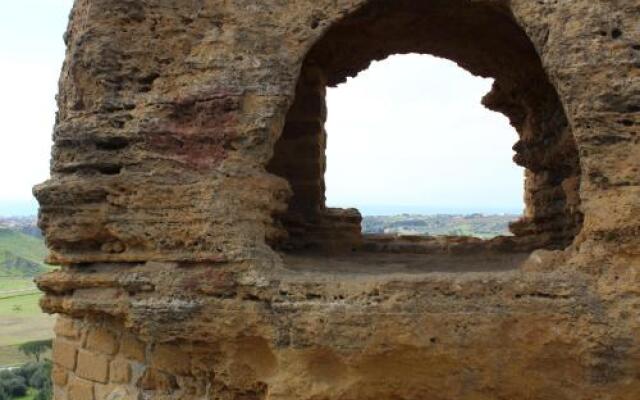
(481, 37)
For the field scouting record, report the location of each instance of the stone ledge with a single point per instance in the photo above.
(190, 302)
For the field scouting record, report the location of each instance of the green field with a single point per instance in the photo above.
(8, 284)
(21, 255)
(21, 320)
(25, 305)
(28, 247)
(11, 356)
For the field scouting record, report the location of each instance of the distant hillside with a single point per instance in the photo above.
(478, 225)
(22, 224)
(21, 255)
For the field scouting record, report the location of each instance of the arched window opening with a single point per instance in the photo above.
(409, 142)
(483, 40)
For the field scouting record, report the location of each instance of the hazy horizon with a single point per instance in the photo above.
(29, 208)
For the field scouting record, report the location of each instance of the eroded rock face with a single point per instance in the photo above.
(186, 206)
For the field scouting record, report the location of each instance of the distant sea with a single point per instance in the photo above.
(26, 208)
(382, 210)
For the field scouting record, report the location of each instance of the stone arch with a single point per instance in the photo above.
(162, 138)
(483, 38)
(159, 204)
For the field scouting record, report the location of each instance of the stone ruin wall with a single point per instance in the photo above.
(188, 163)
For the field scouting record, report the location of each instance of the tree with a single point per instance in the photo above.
(13, 385)
(45, 394)
(40, 375)
(34, 375)
(40, 379)
(35, 348)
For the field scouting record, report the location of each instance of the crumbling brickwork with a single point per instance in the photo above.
(198, 259)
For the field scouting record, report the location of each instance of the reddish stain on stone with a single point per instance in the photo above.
(197, 132)
(211, 281)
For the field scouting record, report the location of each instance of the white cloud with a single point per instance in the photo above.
(411, 131)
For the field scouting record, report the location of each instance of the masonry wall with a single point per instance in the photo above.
(169, 114)
(306, 334)
(167, 221)
(96, 361)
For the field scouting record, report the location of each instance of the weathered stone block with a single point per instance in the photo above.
(93, 366)
(67, 327)
(59, 375)
(132, 348)
(79, 389)
(120, 371)
(170, 358)
(113, 392)
(102, 340)
(65, 353)
(152, 379)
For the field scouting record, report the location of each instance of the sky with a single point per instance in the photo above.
(31, 55)
(407, 135)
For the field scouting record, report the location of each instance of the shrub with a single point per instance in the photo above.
(40, 377)
(12, 384)
(15, 383)
(45, 394)
(35, 348)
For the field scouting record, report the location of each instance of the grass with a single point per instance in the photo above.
(24, 305)
(31, 394)
(10, 356)
(23, 321)
(24, 246)
(8, 284)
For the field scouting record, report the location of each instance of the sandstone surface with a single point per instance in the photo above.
(199, 260)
